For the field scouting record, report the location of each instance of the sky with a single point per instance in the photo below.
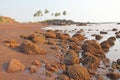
(77, 10)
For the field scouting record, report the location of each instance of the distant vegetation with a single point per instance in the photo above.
(46, 12)
(6, 20)
(62, 22)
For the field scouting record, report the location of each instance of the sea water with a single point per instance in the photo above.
(114, 52)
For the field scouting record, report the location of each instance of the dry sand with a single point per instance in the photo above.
(13, 31)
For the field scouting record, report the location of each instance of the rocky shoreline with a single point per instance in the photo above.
(76, 57)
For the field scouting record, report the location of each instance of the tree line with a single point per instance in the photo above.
(40, 13)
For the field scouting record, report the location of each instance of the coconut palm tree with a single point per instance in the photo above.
(46, 11)
(38, 14)
(64, 13)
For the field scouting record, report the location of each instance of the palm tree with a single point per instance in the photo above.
(46, 11)
(64, 13)
(38, 14)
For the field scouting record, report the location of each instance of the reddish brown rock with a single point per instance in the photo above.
(33, 69)
(114, 29)
(118, 36)
(90, 61)
(77, 72)
(51, 67)
(11, 43)
(63, 77)
(103, 32)
(30, 48)
(93, 47)
(98, 37)
(50, 35)
(37, 63)
(79, 36)
(37, 38)
(111, 40)
(15, 65)
(105, 46)
(63, 36)
(51, 42)
(73, 46)
(118, 61)
(113, 75)
(71, 57)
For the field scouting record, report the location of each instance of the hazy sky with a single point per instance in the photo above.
(78, 10)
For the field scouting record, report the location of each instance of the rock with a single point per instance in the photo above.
(51, 42)
(33, 69)
(15, 65)
(111, 40)
(103, 32)
(50, 35)
(90, 61)
(79, 37)
(37, 38)
(63, 36)
(38, 32)
(48, 73)
(93, 47)
(71, 57)
(93, 34)
(105, 46)
(51, 67)
(11, 43)
(118, 61)
(98, 37)
(31, 48)
(118, 36)
(24, 36)
(114, 29)
(77, 72)
(113, 75)
(63, 77)
(37, 63)
(73, 46)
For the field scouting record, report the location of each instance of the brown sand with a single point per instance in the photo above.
(13, 31)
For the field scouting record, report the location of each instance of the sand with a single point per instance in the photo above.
(13, 31)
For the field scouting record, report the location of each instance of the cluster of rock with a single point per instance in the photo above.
(80, 58)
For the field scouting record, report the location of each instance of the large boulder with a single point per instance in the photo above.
(51, 41)
(98, 37)
(118, 61)
(37, 38)
(111, 40)
(50, 35)
(71, 57)
(93, 47)
(63, 36)
(79, 37)
(15, 65)
(63, 77)
(113, 75)
(118, 36)
(103, 32)
(105, 46)
(77, 72)
(74, 46)
(90, 61)
(31, 48)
